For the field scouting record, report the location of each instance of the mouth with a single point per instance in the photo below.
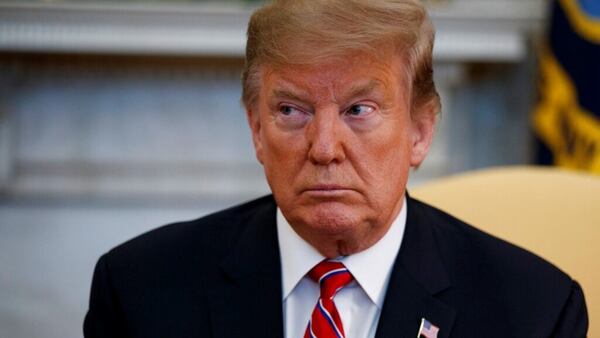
(327, 190)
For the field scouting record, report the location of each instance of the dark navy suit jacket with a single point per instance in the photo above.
(220, 276)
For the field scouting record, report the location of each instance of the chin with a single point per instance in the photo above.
(331, 218)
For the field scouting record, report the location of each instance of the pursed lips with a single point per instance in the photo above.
(327, 189)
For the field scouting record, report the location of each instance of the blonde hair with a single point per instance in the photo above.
(308, 32)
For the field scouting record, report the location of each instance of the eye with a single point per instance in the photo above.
(289, 110)
(360, 110)
(291, 117)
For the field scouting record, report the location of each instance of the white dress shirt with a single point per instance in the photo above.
(359, 303)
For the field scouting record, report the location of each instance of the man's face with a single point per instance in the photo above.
(337, 141)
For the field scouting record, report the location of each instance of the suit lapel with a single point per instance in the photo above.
(247, 301)
(418, 275)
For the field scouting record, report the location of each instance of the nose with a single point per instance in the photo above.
(325, 135)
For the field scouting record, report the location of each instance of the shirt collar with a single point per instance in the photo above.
(298, 257)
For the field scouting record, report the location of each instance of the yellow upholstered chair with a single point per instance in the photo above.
(554, 213)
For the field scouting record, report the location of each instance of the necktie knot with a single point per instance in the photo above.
(331, 276)
(325, 321)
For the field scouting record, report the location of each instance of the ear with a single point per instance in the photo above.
(254, 123)
(422, 129)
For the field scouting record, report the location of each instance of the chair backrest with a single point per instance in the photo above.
(554, 213)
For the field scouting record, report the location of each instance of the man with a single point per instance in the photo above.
(341, 103)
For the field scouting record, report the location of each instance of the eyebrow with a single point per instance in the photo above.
(288, 94)
(362, 89)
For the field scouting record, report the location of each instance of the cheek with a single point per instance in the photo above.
(280, 146)
(283, 154)
(394, 166)
(388, 144)
(385, 160)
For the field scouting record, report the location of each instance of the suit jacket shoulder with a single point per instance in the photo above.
(213, 234)
(497, 283)
(161, 283)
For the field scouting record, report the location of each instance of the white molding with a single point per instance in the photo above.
(6, 158)
(468, 30)
(118, 29)
(221, 182)
(485, 30)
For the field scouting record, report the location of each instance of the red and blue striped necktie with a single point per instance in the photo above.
(325, 320)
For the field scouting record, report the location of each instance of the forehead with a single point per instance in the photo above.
(334, 77)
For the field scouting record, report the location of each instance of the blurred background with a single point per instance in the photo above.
(118, 117)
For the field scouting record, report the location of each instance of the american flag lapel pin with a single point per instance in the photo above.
(427, 330)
